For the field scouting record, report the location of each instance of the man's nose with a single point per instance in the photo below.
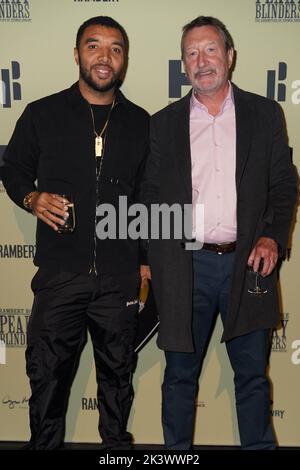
(104, 55)
(202, 58)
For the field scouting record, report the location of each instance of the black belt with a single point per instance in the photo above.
(219, 248)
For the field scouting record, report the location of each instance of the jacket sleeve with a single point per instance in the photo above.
(151, 178)
(20, 160)
(151, 181)
(144, 131)
(282, 185)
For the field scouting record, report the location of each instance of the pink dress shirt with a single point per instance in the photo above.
(213, 158)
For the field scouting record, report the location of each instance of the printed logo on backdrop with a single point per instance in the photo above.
(177, 78)
(279, 336)
(10, 88)
(13, 403)
(15, 10)
(277, 11)
(279, 414)
(13, 327)
(277, 88)
(89, 404)
(17, 251)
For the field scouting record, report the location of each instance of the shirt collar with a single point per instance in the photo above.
(76, 96)
(228, 101)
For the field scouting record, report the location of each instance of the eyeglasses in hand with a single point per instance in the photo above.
(255, 277)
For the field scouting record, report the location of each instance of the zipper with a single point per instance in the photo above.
(98, 168)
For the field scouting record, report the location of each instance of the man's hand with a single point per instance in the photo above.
(145, 274)
(267, 250)
(50, 208)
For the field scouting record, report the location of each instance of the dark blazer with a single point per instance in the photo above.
(266, 194)
(52, 147)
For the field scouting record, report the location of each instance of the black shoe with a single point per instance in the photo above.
(31, 446)
(117, 446)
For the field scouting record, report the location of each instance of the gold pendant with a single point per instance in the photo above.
(98, 146)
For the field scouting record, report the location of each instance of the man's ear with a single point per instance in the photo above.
(76, 55)
(230, 57)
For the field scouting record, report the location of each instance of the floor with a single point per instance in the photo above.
(9, 445)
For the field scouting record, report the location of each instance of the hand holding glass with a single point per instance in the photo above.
(69, 224)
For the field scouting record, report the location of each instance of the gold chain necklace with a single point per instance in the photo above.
(98, 137)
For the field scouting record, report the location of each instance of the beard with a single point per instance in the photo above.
(86, 75)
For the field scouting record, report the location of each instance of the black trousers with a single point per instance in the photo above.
(66, 306)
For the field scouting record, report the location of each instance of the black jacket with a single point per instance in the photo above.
(53, 145)
(266, 194)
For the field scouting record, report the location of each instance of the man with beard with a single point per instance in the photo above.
(88, 143)
(225, 149)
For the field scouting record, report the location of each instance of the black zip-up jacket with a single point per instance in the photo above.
(52, 148)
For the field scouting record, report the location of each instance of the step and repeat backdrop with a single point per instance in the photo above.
(37, 38)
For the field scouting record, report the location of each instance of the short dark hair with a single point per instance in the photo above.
(106, 21)
(208, 21)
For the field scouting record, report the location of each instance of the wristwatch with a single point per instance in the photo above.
(27, 200)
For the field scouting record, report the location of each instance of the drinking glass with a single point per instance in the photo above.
(69, 224)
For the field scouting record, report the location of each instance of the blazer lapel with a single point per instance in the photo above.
(244, 116)
(181, 142)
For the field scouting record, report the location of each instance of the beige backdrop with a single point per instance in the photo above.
(40, 36)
